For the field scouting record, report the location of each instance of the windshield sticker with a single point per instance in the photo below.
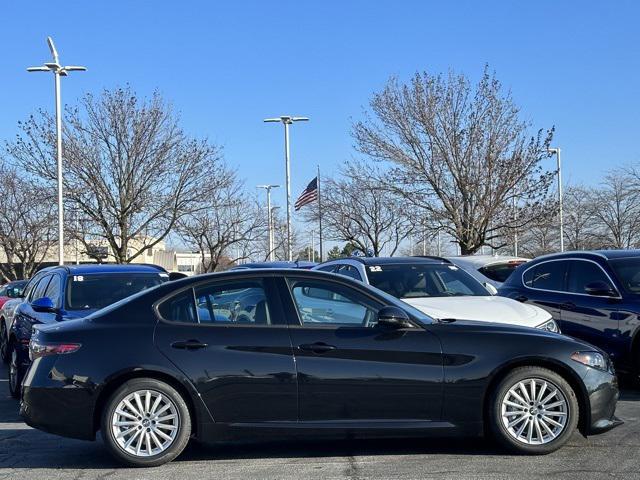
(453, 267)
(375, 268)
(78, 278)
(164, 274)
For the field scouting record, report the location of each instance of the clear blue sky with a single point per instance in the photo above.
(226, 66)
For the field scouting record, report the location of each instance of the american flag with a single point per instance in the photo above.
(309, 195)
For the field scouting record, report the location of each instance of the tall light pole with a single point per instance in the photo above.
(557, 153)
(269, 220)
(58, 71)
(287, 120)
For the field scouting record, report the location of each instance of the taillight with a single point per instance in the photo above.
(37, 350)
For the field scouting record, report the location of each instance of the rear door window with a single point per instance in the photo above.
(179, 308)
(547, 276)
(233, 303)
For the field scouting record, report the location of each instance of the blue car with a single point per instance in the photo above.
(593, 296)
(68, 292)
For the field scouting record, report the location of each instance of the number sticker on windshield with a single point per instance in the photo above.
(78, 278)
(375, 268)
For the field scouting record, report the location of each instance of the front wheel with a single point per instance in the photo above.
(15, 371)
(146, 423)
(5, 353)
(533, 410)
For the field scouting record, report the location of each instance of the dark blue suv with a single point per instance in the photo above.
(62, 293)
(594, 296)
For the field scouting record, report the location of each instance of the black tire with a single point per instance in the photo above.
(16, 372)
(499, 429)
(183, 417)
(5, 355)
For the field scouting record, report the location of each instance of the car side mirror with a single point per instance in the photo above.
(490, 288)
(393, 317)
(600, 289)
(44, 304)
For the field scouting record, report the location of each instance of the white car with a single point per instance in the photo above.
(490, 269)
(440, 289)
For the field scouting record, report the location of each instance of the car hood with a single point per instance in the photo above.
(481, 308)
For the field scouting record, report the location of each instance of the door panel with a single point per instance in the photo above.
(235, 348)
(350, 369)
(588, 317)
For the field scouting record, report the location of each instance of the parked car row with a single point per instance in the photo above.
(436, 286)
(357, 346)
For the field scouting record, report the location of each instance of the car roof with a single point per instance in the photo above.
(592, 254)
(88, 269)
(393, 260)
(275, 264)
(483, 260)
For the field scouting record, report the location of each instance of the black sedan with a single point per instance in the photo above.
(289, 352)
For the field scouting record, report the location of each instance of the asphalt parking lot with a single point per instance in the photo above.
(26, 453)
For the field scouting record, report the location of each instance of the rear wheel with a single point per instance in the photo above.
(146, 423)
(533, 410)
(15, 371)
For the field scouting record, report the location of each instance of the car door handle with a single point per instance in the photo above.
(318, 347)
(521, 298)
(189, 345)
(568, 306)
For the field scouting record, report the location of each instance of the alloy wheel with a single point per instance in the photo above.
(534, 411)
(145, 423)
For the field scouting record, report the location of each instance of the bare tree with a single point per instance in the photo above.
(540, 237)
(580, 214)
(27, 225)
(359, 210)
(461, 153)
(129, 168)
(617, 210)
(228, 229)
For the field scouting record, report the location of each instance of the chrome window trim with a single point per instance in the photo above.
(570, 259)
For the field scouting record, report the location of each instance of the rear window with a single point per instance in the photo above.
(94, 291)
(499, 272)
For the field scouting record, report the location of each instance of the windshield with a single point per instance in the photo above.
(94, 291)
(426, 280)
(628, 272)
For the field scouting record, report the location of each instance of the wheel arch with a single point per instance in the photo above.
(584, 413)
(116, 382)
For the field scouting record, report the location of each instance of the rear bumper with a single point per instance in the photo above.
(602, 388)
(54, 406)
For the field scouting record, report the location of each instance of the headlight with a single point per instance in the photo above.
(550, 326)
(9, 310)
(594, 360)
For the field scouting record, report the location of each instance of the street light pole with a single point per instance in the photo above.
(58, 71)
(557, 153)
(287, 120)
(269, 219)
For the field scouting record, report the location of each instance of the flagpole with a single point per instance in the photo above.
(320, 215)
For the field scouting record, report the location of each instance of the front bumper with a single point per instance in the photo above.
(603, 393)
